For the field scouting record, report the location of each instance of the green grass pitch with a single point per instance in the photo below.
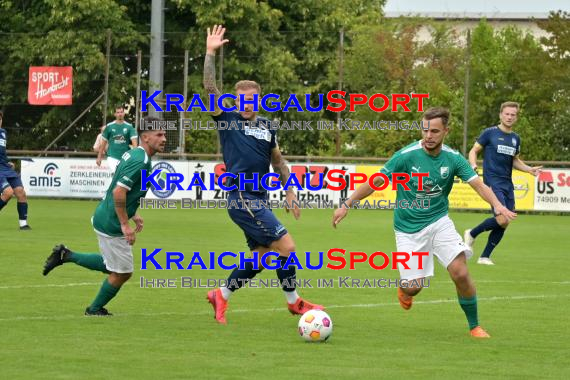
(524, 303)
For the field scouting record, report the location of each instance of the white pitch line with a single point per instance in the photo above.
(445, 281)
(518, 282)
(50, 285)
(209, 312)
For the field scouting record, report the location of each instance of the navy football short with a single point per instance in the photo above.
(3, 184)
(506, 197)
(260, 226)
(12, 177)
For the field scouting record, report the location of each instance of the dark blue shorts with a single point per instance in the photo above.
(3, 184)
(12, 177)
(506, 197)
(260, 226)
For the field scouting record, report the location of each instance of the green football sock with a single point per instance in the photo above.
(91, 261)
(469, 306)
(106, 294)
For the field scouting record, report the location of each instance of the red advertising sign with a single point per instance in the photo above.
(50, 85)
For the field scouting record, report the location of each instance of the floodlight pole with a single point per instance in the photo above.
(340, 78)
(466, 92)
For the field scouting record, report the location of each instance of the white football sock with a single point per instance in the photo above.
(292, 297)
(226, 293)
(23, 223)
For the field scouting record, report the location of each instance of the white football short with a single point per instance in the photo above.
(440, 239)
(117, 253)
(112, 163)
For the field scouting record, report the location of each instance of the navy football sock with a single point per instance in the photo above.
(287, 276)
(494, 238)
(487, 225)
(22, 210)
(239, 277)
(2, 204)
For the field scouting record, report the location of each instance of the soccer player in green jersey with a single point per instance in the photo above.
(431, 230)
(117, 136)
(111, 223)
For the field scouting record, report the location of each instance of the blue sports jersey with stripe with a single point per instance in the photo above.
(500, 149)
(4, 166)
(246, 146)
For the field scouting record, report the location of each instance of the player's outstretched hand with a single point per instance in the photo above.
(98, 161)
(292, 202)
(502, 210)
(535, 170)
(215, 39)
(138, 223)
(129, 233)
(339, 215)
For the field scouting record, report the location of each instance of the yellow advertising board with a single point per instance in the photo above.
(462, 195)
(387, 194)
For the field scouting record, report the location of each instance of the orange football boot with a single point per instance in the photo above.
(301, 307)
(405, 300)
(219, 304)
(478, 332)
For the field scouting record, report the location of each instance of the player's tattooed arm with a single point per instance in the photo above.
(280, 167)
(214, 41)
(210, 75)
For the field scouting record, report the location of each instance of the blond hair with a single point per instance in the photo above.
(247, 85)
(510, 104)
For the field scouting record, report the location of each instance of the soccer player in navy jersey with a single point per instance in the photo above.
(11, 183)
(249, 149)
(501, 147)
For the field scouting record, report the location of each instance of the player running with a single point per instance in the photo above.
(116, 138)
(431, 230)
(11, 183)
(111, 223)
(250, 150)
(501, 148)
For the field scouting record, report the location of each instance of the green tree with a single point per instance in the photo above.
(389, 59)
(287, 47)
(63, 33)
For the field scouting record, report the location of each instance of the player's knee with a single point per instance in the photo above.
(7, 193)
(264, 263)
(287, 249)
(284, 246)
(460, 274)
(502, 221)
(20, 194)
(121, 278)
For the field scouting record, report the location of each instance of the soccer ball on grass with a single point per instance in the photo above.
(315, 326)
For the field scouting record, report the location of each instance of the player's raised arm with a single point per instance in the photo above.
(214, 41)
(487, 194)
(280, 167)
